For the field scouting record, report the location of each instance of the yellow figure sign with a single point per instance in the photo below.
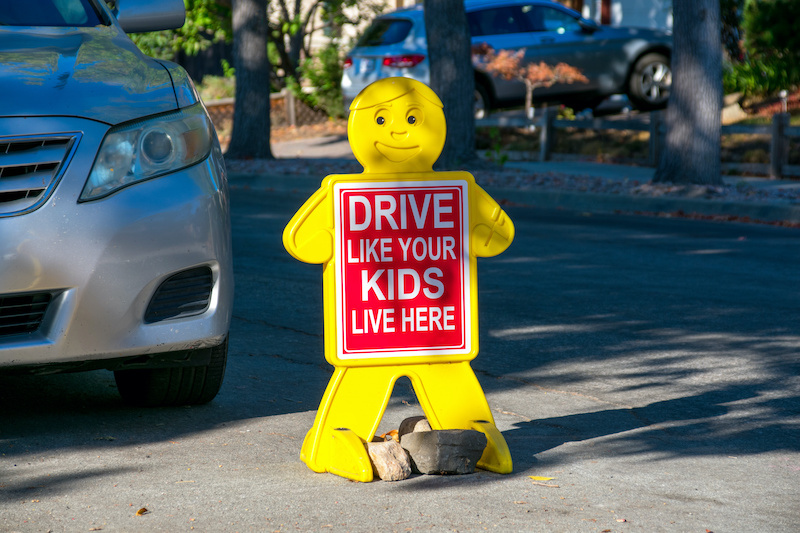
(398, 244)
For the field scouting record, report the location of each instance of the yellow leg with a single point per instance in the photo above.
(452, 398)
(348, 417)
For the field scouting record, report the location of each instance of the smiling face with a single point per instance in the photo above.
(396, 125)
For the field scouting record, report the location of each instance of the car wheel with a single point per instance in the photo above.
(650, 82)
(161, 387)
(481, 101)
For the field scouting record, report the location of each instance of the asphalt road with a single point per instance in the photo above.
(648, 366)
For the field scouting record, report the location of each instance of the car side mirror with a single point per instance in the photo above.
(140, 16)
(588, 25)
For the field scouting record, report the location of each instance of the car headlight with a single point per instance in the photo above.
(148, 148)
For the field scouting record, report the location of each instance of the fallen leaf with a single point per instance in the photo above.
(391, 435)
(142, 511)
(541, 478)
(544, 485)
(520, 502)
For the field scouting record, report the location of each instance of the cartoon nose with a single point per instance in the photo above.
(399, 135)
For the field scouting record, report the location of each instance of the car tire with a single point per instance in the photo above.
(650, 82)
(162, 387)
(481, 101)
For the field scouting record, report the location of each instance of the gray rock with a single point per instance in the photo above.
(450, 451)
(415, 423)
(390, 462)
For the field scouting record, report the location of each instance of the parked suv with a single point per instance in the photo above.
(631, 61)
(115, 244)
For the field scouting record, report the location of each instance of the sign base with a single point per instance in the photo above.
(356, 398)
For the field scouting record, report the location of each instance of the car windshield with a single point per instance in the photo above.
(48, 13)
(385, 31)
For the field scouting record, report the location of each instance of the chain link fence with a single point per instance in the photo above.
(285, 110)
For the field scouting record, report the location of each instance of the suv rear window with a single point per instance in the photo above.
(48, 13)
(385, 31)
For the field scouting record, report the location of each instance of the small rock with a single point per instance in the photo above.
(415, 423)
(450, 451)
(390, 461)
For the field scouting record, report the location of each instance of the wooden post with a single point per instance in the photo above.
(547, 134)
(291, 111)
(779, 145)
(656, 137)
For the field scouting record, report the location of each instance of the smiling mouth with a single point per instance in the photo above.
(396, 155)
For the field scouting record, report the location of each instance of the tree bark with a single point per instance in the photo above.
(693, 117)
(251, 124)
(452, 78)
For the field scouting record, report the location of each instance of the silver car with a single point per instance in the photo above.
(115, 244)
(631, 61)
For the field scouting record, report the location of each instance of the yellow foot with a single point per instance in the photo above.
(496, 457)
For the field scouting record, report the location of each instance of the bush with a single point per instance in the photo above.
(324, 72)
(217, 87)
(772, 47)
(757, 77)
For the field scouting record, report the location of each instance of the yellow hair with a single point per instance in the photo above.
(389, 89)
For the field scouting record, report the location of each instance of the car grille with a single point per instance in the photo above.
(22, 313)
(30, 168)
(184, 294)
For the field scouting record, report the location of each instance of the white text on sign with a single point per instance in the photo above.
(413, 319)
(387, 209)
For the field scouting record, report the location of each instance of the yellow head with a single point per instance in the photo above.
(396, 125)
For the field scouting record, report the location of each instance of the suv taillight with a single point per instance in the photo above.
(348, 62)
(404, 61)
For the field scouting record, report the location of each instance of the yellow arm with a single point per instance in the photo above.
(492, 229)
(309, 234)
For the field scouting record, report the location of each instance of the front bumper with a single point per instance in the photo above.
(103, 261)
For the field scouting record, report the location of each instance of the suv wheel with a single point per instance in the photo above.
(161, 387)
(481, 101)
(650, 82)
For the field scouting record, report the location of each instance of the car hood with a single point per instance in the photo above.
(95, 73)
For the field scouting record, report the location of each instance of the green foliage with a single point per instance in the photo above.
(227, 70)
(757, 77)
(207, 22)
(772, 47)
(217, 87)
(290, 46)
(324, 72)
(496, 152)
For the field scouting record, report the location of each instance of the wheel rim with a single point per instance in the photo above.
(655, 82)
(479, 105)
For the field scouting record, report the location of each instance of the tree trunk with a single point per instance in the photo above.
(452, 78)
(251, 124)
(693, 117)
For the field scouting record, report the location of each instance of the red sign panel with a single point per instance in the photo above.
(402, 269)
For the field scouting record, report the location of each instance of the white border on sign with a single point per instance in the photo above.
(466, 305)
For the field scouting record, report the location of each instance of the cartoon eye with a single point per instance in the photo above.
(415, 116)
(381, 121)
